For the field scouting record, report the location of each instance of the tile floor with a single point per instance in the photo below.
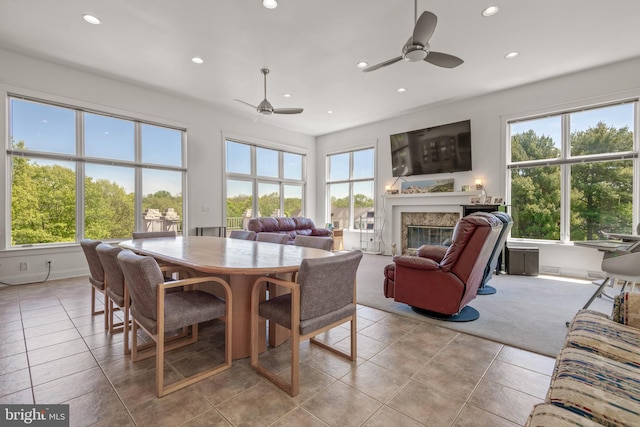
(408, 373)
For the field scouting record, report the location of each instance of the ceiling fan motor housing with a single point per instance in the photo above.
(414, 52)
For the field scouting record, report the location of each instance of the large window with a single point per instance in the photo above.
(572, 174)
(262, 182)
(77, 173)
(350, 187)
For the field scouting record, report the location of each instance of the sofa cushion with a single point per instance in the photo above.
(594, 332)
(548, 415)
(597, 388)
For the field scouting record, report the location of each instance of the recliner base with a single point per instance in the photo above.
(467, 314)
(486, 290)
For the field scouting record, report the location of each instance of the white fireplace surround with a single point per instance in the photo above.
(393, 205)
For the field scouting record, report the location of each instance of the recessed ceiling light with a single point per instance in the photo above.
(330, 112)
(91, 19)
(511, 55)
(490, 11)
(270, 4)
(287, 95)
(197, 60)
(402, 89)
(362, 64)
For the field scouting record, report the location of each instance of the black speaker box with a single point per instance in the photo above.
(522, 261)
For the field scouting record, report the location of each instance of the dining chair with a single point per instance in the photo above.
(116, 289)
(272, 237)
(156, 311)
(153, 234)
(96, 277)
(314, 242)
(242, 235)
(323, 298)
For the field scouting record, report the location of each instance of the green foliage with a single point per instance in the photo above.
(43, 204)
(600, 191)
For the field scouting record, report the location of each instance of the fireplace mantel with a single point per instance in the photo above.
(395, 204)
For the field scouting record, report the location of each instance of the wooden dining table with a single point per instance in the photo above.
(241, 262)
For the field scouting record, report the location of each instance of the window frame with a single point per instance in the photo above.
(256, 179)
(80, 159)
(566, 160)
(350, 182)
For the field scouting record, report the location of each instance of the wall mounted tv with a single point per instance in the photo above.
(437, 149)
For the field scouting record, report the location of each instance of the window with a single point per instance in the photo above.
(262, 182)
(75, 174)
(572, 174)
(350, 187)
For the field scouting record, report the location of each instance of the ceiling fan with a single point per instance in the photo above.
(265, 108)
(417, 48)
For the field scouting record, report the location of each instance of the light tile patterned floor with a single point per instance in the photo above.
(408, 373)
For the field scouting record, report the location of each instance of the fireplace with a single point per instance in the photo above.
(418, 235)
(420, 228)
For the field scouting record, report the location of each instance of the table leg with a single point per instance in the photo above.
(241, 288)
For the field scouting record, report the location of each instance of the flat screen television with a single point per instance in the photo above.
(437, 149)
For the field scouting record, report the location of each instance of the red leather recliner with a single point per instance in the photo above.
(443, 280)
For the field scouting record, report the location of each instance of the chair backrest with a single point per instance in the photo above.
(327, 284)
(153, 234)
(113, 272)
(242, 234)
(95, 266)
(474, 237)
(142, 274)
(507, 223)
(314, 242)
(272, 238)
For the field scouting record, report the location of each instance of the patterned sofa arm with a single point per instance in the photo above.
(626, 309)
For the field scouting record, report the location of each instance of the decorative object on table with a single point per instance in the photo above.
(475, 200)
(483, 192)
(394, 249)
(393, 191)
(428, 186)
(497, 200)
(487, 200)
(465, 188)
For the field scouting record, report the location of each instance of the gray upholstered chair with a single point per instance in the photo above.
(156, 311)
(242, 235)
(153, 234)
(272, 238)
(96, 277)
(116, 289)
(323, 297)
(314, 242)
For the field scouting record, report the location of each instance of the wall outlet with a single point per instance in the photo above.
(24, 266)
(48, 263)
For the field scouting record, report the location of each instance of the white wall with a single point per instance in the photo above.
(488, 115)
(205, 126)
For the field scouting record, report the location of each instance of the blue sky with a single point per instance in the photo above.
(53, 129)
(617, 116)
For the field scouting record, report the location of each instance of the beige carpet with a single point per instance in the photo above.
(526, 312)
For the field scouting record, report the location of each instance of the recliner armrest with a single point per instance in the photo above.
(416, 262)
(433, 252)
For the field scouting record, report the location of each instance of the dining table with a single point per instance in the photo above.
(240, 262)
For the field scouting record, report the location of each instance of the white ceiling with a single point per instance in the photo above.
(312, 47)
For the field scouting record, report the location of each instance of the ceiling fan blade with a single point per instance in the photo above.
(424, 28)
(287, 110)
(246, 103)
(382, 64)
(443, 60)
